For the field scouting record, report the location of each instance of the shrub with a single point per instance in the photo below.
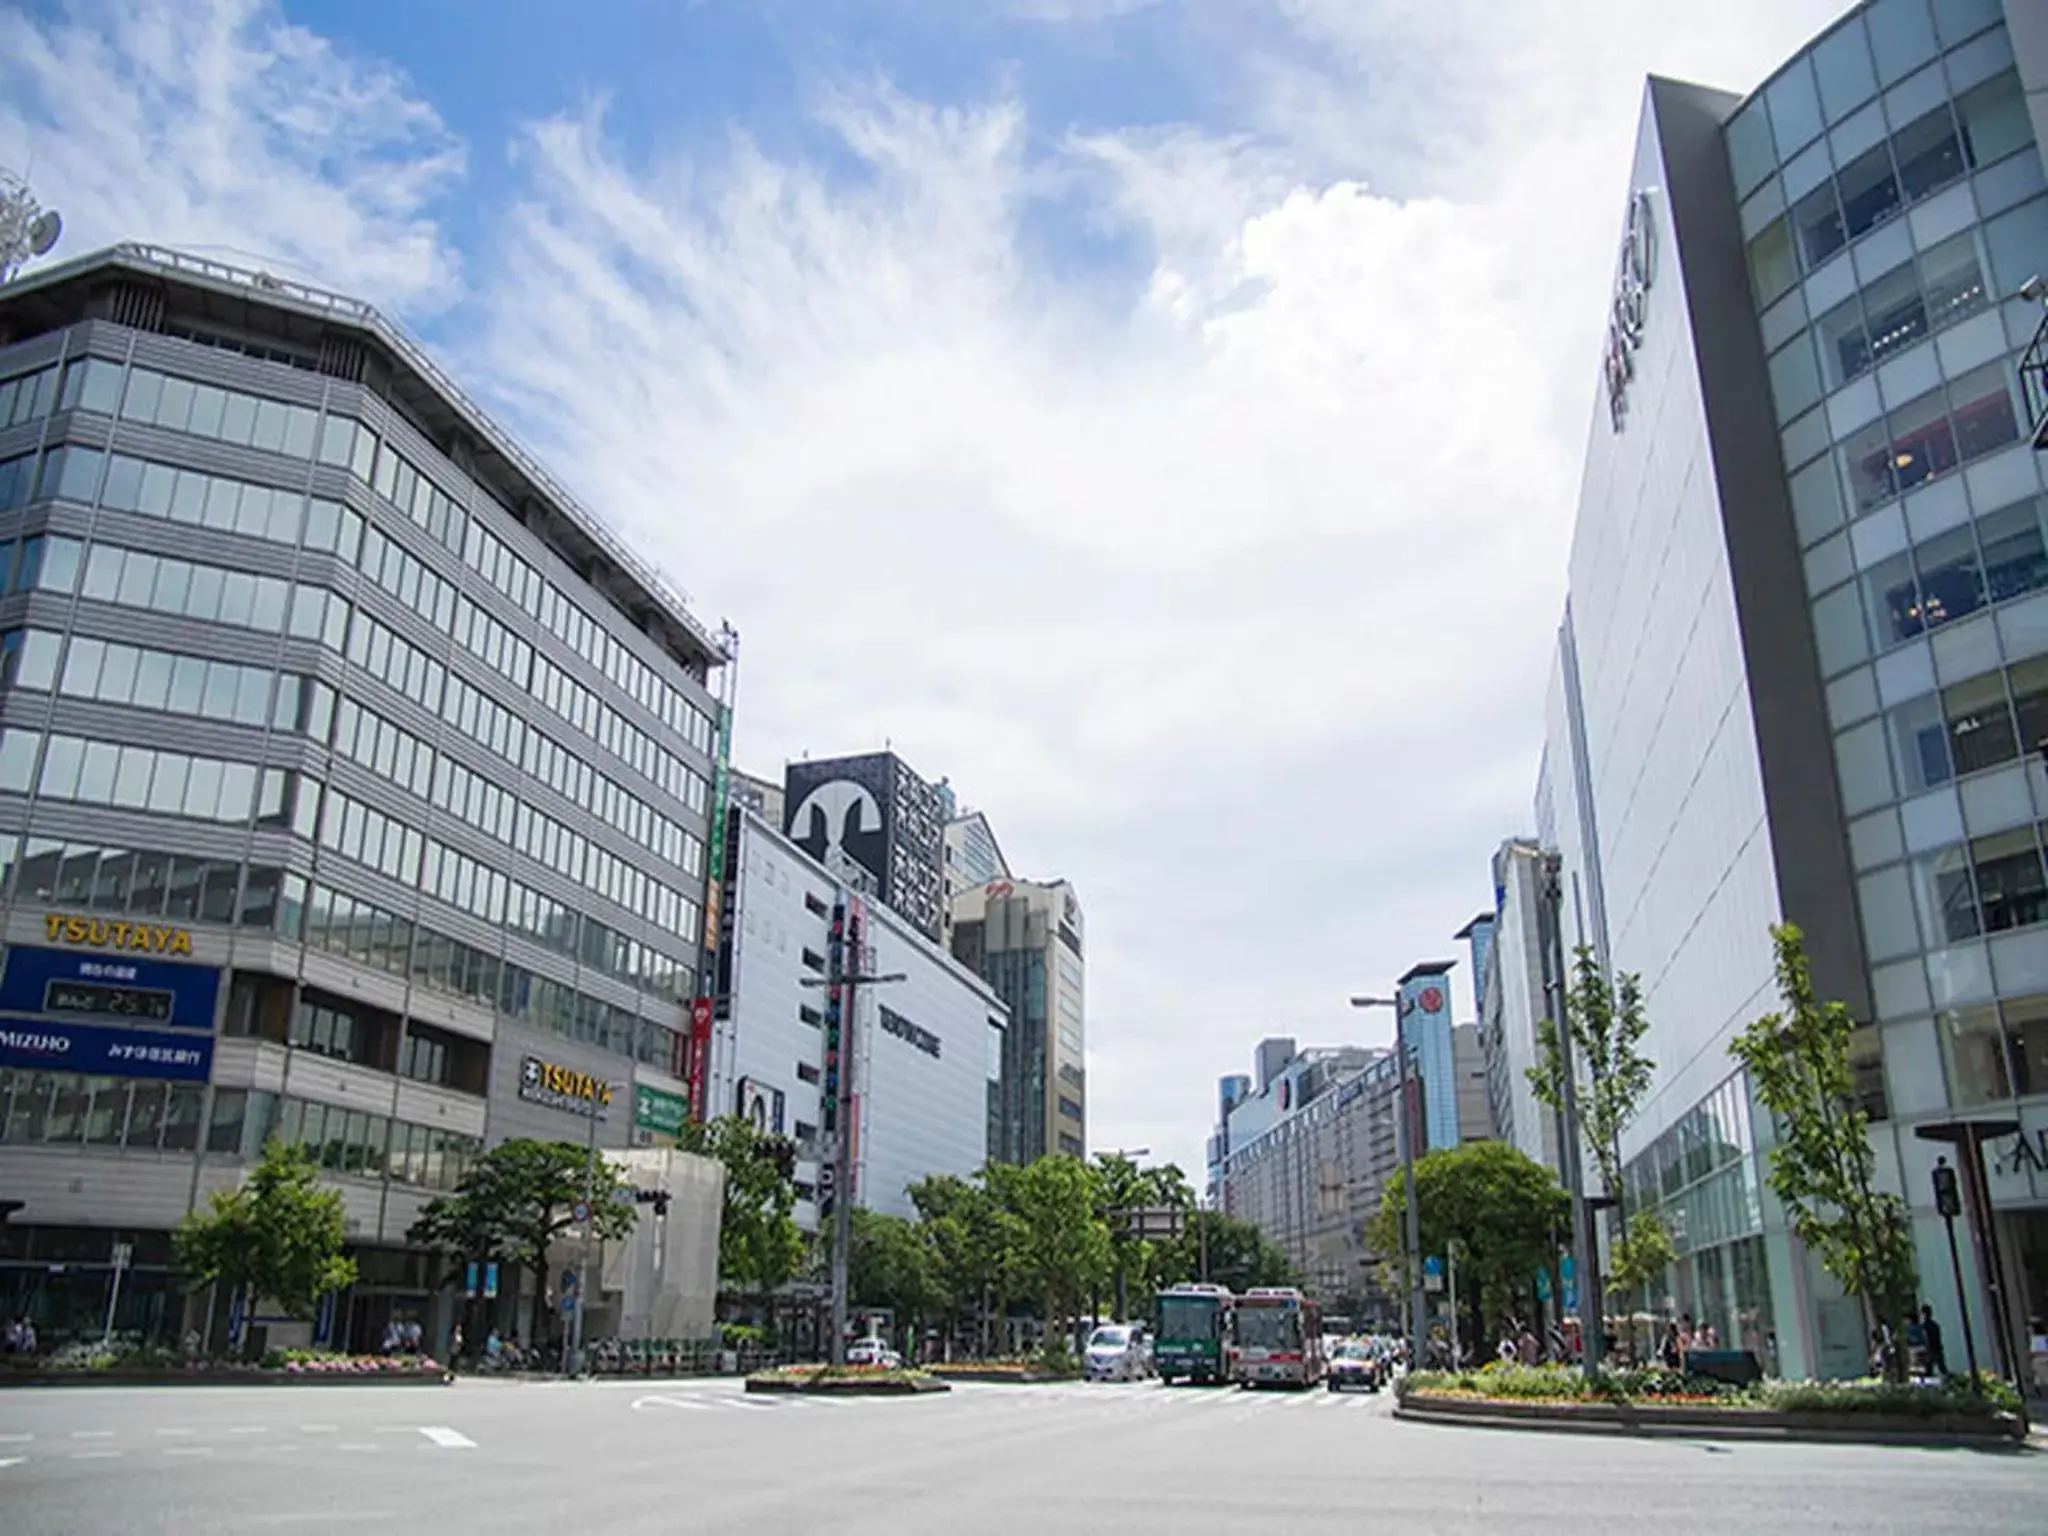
(1909, 1399)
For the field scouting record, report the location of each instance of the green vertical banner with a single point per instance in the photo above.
(714, 883)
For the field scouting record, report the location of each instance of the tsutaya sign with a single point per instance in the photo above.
(1634, 273)
(104, 933)
(559, 1087)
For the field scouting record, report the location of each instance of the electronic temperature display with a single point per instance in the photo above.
(104, 1000)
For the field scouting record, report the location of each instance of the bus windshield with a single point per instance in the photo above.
(1268, 1327)
(1189, 1317)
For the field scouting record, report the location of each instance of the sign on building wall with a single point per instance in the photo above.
(697, 1071)
(563, 1088)
(112, 933)
(44, 1045)
(1635, 271)
(123, 986)
(760, 1105)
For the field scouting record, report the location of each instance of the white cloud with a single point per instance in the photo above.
(218, 127)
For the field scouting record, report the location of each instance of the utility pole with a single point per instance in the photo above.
(1404, 1138)
(572, 1353)
(840, 1104)
(1586, 1258)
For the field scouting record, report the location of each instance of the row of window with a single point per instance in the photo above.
(1980, 128)
(204, 410)
(67, 1109)
(1996, 1051)
(1911, 302)
(367, 835)
(1956, 573)
(345, 1140)
(142, 678)
(141, 883)
(1928, 436)
(415, 494)
(142, 778)
(28, 396)
(281, 516)
(363, 932)
(1979, 723)
(1990, 884)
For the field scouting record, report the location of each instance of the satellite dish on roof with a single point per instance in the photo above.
(43, 233)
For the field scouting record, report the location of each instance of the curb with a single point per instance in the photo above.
(1715, 1424)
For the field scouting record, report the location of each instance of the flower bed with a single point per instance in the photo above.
(994, 1370)
(153, 1367)
(1644, 1398)
(853, 1380)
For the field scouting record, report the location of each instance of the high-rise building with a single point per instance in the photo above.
(1804, 661)
(1512, 1002)
(1026, 938)
(874, 822)
(761, 796)
(353, 783)
(1231, 1091)
(972, 857)
(1425, 998)
(927, 1048)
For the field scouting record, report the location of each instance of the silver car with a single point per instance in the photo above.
(1117, 1352)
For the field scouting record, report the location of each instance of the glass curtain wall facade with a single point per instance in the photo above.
(1804, 666)
(1894, 201)
(307, 669)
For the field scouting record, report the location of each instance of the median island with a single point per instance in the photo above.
(1657, 1401)
(845, 1381)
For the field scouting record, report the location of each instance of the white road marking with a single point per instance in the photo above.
(177, 1431)
(355, 1447)
(15, 1439)
(93, 1455)
(448, 1439)
(12, 1461)
(92, 1434)
(641, 1404)
(249, 1429)
(188, 1450)
(318, 1429)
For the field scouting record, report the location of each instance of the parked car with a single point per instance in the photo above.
(1356, 1366)
(1117, 1352)
(873, 1352)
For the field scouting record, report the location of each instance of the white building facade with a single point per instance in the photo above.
(927, 1049)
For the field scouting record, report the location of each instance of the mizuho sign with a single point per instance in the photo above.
(1635, 272)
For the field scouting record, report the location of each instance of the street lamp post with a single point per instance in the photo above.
(1585, 1245)
(846, 974)
(1411, 1237)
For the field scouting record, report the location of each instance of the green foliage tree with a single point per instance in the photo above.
(1500, 1206)
(1607, 1024)
(1240, 1256)
(514, 1201)
(277, 1234)
(890, 1264)
(1061, 1248)
(1822, 1165)
(973, 1242)
(759, 1243)
(1123, 1188)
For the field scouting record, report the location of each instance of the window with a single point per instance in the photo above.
(1951, 581)
(1928, 153)
(1980, 725)
(1771, 264)
(1953, 280)
(1994, 117)
(1983, 411)
(1870, 191)
(809, 1014)
(1844, 347)
(2015, 559)
(1920, 744)
(2030, 701)
(2012, 888)
(1897, 311)
(814, 960)
(1973, 1050)
(1818, 218)
(806, 1072)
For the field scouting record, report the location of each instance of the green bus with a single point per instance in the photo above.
(1191, 1331)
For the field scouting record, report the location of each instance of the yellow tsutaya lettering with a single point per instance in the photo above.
(53, 926)
(96, 933)
(181, 942)
(118, 933)
(75, 929)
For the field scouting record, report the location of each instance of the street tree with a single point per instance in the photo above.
(891, 1265)
(1606, 1024)
(759, 1243)
(1240, 1256)
(1499, 1206)
(514, 1201)
(1062, 1250)
(1822, 1165)
(973, 1243)
(278, 1234)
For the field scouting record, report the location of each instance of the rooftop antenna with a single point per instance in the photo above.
(27, 228)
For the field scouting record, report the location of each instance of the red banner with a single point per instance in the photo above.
(700, 1057)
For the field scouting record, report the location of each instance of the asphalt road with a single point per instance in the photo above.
(622, 1459)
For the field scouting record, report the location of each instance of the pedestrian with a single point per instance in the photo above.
(1671, 1351)
(1937, 1354)
(413, 1336)
(1507, 1347)
(1527, 1347)
(455, 1343)
(13, 1341)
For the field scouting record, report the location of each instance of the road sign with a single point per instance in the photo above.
(490, 1279)
(1432, 1274)
(580, 1211)
(471, 1279)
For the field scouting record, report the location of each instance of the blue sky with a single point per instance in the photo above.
(1160, 417)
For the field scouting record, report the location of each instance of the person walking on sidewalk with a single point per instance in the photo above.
(1930, 1334)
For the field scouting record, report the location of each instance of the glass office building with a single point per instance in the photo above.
(353, 779)
(1803, 672)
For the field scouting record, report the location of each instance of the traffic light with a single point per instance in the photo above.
(658, 1198)
(782, 1153)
